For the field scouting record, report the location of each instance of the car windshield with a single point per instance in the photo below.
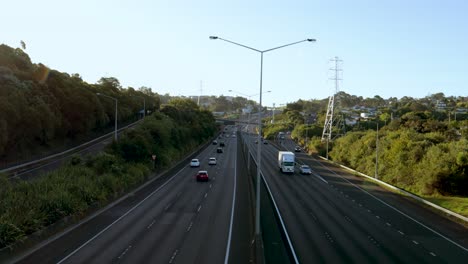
(288, 163)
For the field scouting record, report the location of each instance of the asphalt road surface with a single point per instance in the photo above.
(335, 217)
(178, 220)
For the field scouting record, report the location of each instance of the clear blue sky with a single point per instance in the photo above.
(389, 47)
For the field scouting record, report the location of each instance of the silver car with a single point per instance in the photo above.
(305, 169)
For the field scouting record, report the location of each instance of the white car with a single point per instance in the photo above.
(212, 161)
(305, 169)
(195, 163)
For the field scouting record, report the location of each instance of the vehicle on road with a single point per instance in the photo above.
(305, 169)
(265, 142)
(195, 163)
(286, 161)
(215, 142)
(219, 150)
(202, 176)
(297, 149)
(212, 161)
(221, 143)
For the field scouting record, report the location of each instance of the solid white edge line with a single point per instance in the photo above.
(228, 247)
(394, 208)
(118, 219)
(279, 215)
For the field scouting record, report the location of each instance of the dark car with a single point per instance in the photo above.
(215, 142)
(297, 149)
(219, 150)
(203, 176)
(221, 143)
(265, 142)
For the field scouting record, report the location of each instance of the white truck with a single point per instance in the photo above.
(286, 161)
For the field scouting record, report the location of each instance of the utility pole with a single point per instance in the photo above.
(201, 90)
(377, 152)
(273, 120)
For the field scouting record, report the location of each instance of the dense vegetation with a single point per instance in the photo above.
(26, 207)
(422, 148)
(41, 108)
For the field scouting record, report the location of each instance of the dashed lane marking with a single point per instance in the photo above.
(125, 252)
(150, 225)
(174, 256)
(190, 226)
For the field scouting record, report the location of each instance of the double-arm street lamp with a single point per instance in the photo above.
(259, 147)
(116, 103)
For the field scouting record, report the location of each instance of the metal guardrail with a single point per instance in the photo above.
(64, 152)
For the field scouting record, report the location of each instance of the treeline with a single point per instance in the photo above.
(40, 106)
(91, 181)
(420, 150)
(423, 163)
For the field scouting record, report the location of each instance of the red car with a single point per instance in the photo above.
(202, 176)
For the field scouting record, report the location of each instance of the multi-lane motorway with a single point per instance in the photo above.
(335, 217)
(330, 216)
(178, 220)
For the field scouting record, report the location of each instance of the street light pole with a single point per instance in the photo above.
(144, 104)
(273, 113)
(259, 147)
(116, 103)
(377, 152)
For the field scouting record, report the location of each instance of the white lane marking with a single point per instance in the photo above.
(150, 225)
(433, 254)
(125, 252)
(228, 247)
(401, 232)
(322, 179)
(210, 185)
(118, 219)
(190, 226)
(388, 224)
(173, 256)
(199, 207)
(377, 216)
(394, 208)
(206, 194)
(416, 242)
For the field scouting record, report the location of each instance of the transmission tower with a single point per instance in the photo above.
(331, 118)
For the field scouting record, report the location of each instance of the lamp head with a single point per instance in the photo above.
(213, 37)
(311, 40)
